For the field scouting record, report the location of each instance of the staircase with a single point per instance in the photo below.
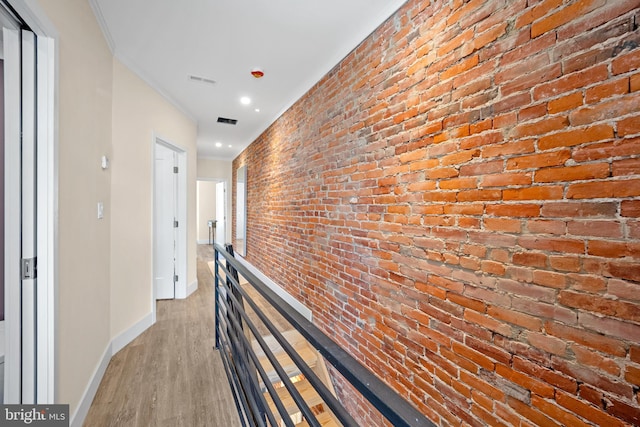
(308, 393)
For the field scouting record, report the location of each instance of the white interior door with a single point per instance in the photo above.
(221, 209)
(20, 215)
(28, 264)
(165, 228)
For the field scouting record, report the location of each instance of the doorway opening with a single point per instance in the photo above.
(211, 211)
(169, 222)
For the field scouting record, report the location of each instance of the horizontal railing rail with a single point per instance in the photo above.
(233, 325)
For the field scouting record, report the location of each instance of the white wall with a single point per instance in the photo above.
(139, 114)
(105, 266)
(206, 208)
(84, 135)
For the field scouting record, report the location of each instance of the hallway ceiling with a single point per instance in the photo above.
(295, 43)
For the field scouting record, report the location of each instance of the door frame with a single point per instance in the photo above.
(181, 250)
(47, 205)
(226, 202)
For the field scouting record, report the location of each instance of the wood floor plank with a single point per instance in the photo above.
(170, 375)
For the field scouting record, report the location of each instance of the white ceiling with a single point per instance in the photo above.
(295, 43)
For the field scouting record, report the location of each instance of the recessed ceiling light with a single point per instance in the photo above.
(245, 100)
(257, 110)
(230, 146)
(218, 144)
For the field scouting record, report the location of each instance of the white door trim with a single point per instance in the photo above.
(181, 252)
(47, 221)
(13, 338)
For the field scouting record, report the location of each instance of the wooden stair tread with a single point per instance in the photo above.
(306, 390)
(324, 418)
(297, 341)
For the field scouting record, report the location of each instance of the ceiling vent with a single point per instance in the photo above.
(201, 79)
(227, 121)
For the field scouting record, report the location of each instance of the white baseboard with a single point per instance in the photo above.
(286, 296)
(130, 334)
(192, 288)
(116, 344)
(204, 242)
(77, 419)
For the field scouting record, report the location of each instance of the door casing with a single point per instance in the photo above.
(181, 242)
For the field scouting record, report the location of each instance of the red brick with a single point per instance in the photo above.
(503, 225)
(523, 210)
(592, 377)
(624, 411)
(629, 126)
(626, 62)
(530, 413)
(607, 110)
(536, 161)
(557, 413)
(611, 327)
(550, 279)
(611, 229)
(547, 375)
(531, 259)
(496, 233)
(609, 249)
(604, 189)
(516, 318)
(506, 179)
(563, 16)
(552, 244)
(615, 148)
(541, 127)
(624, 270)
(586, 410)
(571, 82)
(487, 322)
(630, 208)
(634, 84)
(542, 192)
(576, 137)
(538, 11)
(526, 381)
(588, 357)
(579, 209)
(455, 42)
(573, 173)
(482, 168)
(565, 103)
(460, 67)
(606, 90)
(565, 263)
(509, 148)
(547, 343)
(545, 226)
(473, 355)
(597, 304)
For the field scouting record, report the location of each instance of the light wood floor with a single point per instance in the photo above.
(170, 375)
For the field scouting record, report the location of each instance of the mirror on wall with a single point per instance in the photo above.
(241, 211)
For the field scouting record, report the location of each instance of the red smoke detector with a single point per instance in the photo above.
(257, 73)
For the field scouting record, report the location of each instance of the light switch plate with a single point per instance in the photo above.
(100, 210)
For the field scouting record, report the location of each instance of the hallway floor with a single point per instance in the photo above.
(170, 375)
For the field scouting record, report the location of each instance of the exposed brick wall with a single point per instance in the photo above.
(458, 202)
